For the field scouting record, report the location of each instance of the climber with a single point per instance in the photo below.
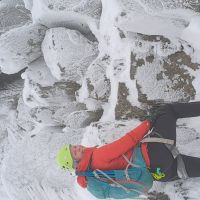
(158, 150)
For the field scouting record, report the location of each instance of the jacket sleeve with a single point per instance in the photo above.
(81, 180)
(115, 149)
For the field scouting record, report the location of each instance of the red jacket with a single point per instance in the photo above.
(110, 157)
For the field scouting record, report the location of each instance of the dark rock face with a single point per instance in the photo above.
(164, 73)
(180, 76)
(174, 73)
(69, 88)
(124, 109)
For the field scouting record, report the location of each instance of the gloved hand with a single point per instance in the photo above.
(154, 113)
(152, 119)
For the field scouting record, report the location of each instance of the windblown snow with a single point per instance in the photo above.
(86, 71)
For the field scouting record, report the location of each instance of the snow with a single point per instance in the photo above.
(191, 34)
(75, 56)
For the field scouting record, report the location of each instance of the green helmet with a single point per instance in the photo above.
(64, 158)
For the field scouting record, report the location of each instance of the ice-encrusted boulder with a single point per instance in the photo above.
(96, 85)
(159, 17)
(83, 118)
(30, 170)
(68, 53)
(124, 109)
(42, 89)
(169, 76)
(161, 71)
(12, 17)
(20, 46)
(53, 102)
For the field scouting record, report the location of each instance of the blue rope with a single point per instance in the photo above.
(90, 173)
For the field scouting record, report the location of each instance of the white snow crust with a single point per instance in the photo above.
(16, 52)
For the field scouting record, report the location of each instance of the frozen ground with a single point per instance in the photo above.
(89, 71)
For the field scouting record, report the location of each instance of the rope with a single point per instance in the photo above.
(130, 163)
(123, 187)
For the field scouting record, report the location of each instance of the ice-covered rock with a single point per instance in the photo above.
(168, 78)
(12, 17)
(20, 46)
(96, 85)
(124, 109)
(68, 53)
(159, 17)
(55, 115)
(42, 89)
(83, 118)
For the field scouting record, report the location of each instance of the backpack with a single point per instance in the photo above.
(131, 182)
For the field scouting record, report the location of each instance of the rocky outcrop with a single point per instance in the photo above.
(124, 109)
(169, 78)
(96, 86)
(55, 115)
(82, 119)
(68, 53)
(42, 89)
(17, 52)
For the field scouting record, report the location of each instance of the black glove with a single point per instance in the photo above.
(154, 113)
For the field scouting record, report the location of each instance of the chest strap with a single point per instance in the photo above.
(159, 140)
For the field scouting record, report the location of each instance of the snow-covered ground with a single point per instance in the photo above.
(90, 69)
